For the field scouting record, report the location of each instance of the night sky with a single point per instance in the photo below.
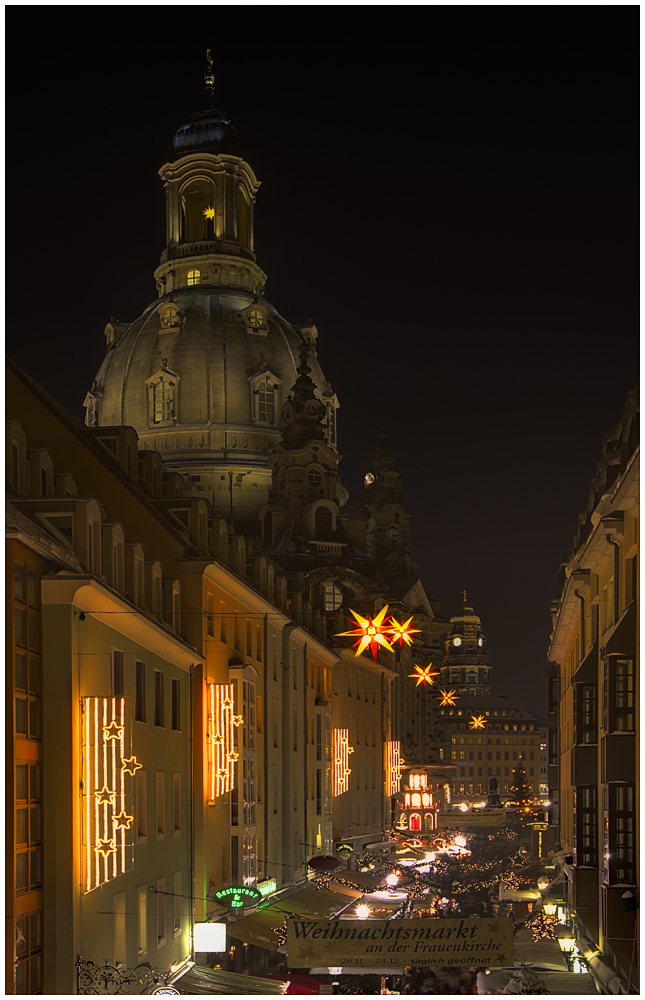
(454, 205)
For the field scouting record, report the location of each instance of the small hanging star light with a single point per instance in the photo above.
(424, 675)
(281, 934)
(447, 698)
(370, 632)
(209, 212)
(477, 722)
(401, 632)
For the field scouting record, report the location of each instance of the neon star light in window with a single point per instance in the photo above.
(209, 212)
(370, 631)
(447, 698)
(401, 632)
(220, 739)
(477, 722)
(424, 675)
(107, 772)
(340, 755)
(393, 767)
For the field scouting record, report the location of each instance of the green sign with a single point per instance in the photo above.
(348, 848)
(267, 887)
(236, 896)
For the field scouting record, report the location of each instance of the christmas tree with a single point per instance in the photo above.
(519, 789)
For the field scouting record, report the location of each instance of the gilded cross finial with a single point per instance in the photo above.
(464, 595)
(209, 77)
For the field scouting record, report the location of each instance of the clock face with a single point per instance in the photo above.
(456, 641)
(393, 533)
(287, 412)
(311, 408)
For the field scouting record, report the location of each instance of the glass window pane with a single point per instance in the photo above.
(21, 716)
(35, 931)
(21, 871)
(35, 966)
(32, 589)
(20, 626)
(34, 824)
(21, 978)
(34, 632)
(21, 826)
(20, 661)
(19, 580)
(21, 781)
(21, 936)
(34, 782)
(35, 859)
(34, 719)
(34, 675)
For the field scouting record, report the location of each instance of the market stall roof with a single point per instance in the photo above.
(518, 895)
(557, 983)
(257, 928)
(201, 979)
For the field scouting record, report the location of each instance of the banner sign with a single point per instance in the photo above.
(433, 941)
(463, 821)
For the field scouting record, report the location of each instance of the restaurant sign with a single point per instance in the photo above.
(236, 896)
(433, 941)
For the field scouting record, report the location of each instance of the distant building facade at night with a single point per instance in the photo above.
(485, 735)
(594, 706)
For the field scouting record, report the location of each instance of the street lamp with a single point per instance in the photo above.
(549, 909)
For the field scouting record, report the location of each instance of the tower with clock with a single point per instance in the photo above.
(388, 520)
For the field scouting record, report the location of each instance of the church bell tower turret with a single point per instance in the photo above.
(210, 197)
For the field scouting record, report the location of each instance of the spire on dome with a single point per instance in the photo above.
(209, 80)
(303, 413)
(208, 129)
(382, 485)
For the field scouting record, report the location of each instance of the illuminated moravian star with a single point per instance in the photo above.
(401, 632)
(477, 722)
(447, 697)
(424, 675)
(370, 632)
(209, 212)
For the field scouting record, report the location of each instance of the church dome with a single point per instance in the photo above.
(203, 373)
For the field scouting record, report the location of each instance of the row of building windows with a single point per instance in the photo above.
(141, 804)
(461, 755)
(145, 907)
(489, 771)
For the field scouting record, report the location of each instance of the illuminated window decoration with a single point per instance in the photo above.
(393, 767)
(477, 722)
(341, 768)
(370, 632)
(447, 698)
(107, 783)
(220, 739)
(209, 212)
(401, 632)
(424, 675)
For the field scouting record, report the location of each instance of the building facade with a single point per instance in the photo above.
(594, 652)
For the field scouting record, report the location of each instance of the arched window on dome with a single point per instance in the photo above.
(193, 277)
(242, 207)
(198, 210)
(162, 393)
(265, 398)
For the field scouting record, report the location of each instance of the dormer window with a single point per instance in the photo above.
(162, 397)
(170, 317)
(193, 277)
(255, 320)
(265, 389)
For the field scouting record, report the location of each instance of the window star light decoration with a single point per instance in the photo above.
(370, 631)
(209, 212)
(447, 698)
(477, 722)
(424, 675)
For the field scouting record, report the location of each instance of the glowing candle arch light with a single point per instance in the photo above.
(393, 767)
